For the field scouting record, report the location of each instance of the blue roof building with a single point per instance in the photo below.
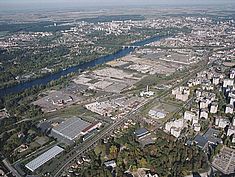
(141, 132)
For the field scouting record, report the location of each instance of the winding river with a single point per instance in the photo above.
(84, 66)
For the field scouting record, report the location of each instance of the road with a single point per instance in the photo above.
(10, 168)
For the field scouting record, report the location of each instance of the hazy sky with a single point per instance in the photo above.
(27, 4)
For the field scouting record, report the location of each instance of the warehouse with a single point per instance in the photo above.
(73, 128)
(45, 157)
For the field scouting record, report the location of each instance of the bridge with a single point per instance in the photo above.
(130, 47)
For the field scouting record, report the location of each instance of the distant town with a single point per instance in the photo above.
(147, 95)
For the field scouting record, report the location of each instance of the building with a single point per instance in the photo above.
(198, 92)
(73, 128)
(232, 100)
(231, 131)
(215, 80)
(228, 82)
(221, 122)
(233, 122)
(229, 109)
(141, 132)
(181, 93)
(44, 127)
(157, 114)
(175, 131)
(147, 93)
(177, 123)
(201, 142)
(188, 115)
(212, 136)
(204, 114)
(197, 127)
(195, 120)
(45, 157)
(214, 107)
(110, 163)
(232, 74)
(182, 97)
(224, 161)
(203, 104)
(175, 127)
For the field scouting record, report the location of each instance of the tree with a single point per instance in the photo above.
(113, 151)
(143, 162)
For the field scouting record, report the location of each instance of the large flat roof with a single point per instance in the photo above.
(141, 132)
(45, 157)
(71, 128)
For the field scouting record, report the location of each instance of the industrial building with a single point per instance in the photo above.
(45, 157)
(141, 132)
(74, 128)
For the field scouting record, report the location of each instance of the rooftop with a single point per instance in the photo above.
(71, 128)
(140, 132)
(212, 136)
(200, 141)
(45, 157)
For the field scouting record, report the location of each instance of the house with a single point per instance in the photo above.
(110, 163)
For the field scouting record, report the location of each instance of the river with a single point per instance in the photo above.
(84, 66)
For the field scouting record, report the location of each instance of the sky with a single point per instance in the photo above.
(37, 4)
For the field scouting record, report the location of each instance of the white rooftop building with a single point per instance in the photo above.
(214, 107)
(157, 114)
(229, 109)
(188, 115)
(231, 130)
(215, 80)
(175, 127)
(45, 157)
(228, 82)
(147, 93)
(175, 131)
(181, 93)
(204, 113)
(197, 127)
(221, 122)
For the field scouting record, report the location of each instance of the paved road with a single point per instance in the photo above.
(10, 168)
